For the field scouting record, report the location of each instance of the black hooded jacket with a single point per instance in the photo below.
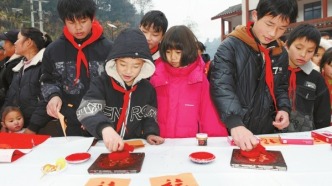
(102, 104)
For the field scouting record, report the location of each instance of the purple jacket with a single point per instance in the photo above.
(184, 103)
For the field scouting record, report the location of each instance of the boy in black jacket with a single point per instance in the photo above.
(121, 104)
(249, 74)
(70, 63)
(308, 92)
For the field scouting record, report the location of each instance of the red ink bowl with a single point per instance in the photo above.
(78, 157)
(202, 157)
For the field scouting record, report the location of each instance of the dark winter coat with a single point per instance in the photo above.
(312, 101)
(59, 73)
(24, 91)
(6, 75)
(102, 104)
(238, 86)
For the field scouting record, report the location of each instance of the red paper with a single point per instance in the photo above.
(255, 152)
(21, 141)
(16, 145)
(119, 155)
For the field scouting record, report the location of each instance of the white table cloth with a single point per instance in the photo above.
(307, 164)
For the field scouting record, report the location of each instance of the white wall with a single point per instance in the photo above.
(253, 4)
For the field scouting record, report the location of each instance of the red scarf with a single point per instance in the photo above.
(292, 85)
(97, 31)
(268, 66)
(154, 50)
(125, 102)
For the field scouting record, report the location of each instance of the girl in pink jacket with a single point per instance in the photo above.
(184, 103)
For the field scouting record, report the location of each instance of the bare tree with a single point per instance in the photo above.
(143, 5)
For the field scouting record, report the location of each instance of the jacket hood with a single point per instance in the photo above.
(240, 32)
(35, 60)
(130, 43)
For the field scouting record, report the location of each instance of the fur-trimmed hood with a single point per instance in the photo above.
(35, 60)
(130, 43)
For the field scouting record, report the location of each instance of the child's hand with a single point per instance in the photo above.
(54, 106)
(112, 140)
(281, 120)
(155, 140)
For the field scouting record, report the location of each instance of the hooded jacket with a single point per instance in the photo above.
(24, 91)
(185, 107)
(59, 71)
(103, 104)
(238, 85)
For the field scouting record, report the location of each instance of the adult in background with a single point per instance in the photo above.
(2, 53)
(24, 91)
(11, 60)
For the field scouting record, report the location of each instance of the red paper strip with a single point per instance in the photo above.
(21, 141)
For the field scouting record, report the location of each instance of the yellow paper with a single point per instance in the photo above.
(63, 124)
(103, 181)
(180, 179)
(135, 143)
(270, 141)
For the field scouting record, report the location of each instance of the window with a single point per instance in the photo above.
(312, 10)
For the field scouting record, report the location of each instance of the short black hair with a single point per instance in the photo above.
(155, 18)
(307, 31)
(76, 9)
(326, 59)
(287, 9)
(180, 38)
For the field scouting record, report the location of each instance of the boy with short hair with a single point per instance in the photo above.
(308, 92)
(154, 25)
(71, 62)
(122, 104)
(249, 74)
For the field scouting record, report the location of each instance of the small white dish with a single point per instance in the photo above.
(202, 157)
(78, 157)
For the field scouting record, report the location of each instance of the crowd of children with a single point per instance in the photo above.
(154, 82)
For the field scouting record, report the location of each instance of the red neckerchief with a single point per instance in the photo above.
(292, 85)
(125, 102)
(97, 31)
(268, 66)
(154, 50)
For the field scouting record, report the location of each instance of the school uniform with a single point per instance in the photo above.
(110, 102)
(310, 101)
